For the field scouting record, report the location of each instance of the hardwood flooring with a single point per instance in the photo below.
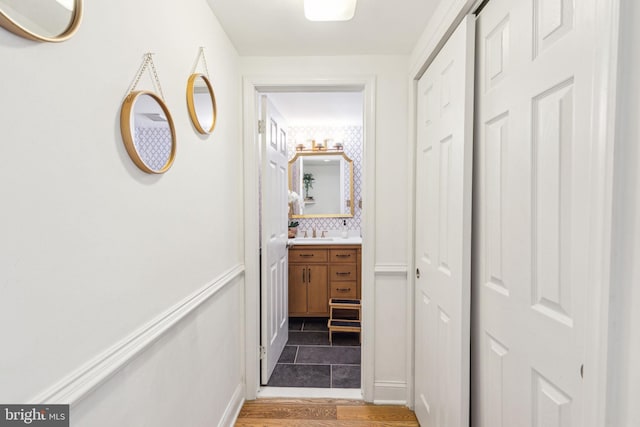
(323, 413)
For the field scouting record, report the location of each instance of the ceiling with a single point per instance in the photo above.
(320, 108)
(279, 28)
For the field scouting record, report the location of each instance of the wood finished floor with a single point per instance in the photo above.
(323, 413)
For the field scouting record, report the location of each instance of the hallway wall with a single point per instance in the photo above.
(391, 123)
(101, 263)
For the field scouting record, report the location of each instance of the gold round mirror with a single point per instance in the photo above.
(49, 21)
(201, 102)
(148, 131)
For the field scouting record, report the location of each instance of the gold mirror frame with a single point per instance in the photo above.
(191, 104)
(128, 133)
(351, 189)
(11, 25)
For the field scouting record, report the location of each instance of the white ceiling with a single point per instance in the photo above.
(278, 27)
(320, 108)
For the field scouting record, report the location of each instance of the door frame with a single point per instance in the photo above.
(604, 88)
(252, 86)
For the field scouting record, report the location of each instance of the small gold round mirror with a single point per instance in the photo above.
(201, 102)
(48, 21)
(148, 131)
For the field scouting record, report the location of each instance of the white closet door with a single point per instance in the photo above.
(531, 212)
(443, 234)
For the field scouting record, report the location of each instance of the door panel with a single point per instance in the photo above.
(443, 229)
(531, 195)
(274, 293)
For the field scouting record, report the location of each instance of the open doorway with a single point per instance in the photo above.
(323, 132)
(254, 87)
(324, 136)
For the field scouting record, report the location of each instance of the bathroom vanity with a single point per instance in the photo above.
(320, 270)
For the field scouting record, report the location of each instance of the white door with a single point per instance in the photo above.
(443, 233)
(274, 211)
(531, 212)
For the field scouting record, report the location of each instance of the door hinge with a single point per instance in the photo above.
(263, 352)
(261, 127)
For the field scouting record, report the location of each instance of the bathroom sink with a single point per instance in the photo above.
(325, 241)
(312, 239)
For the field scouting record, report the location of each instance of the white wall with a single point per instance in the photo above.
(391, 144)
(91, 248)
(624, 348)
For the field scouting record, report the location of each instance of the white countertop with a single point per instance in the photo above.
(351, 240)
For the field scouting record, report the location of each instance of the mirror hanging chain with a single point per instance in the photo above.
(148, 62)
(204, 62)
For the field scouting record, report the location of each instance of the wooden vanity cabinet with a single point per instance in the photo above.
(320, 272)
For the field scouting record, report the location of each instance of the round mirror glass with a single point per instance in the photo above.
(148, 132)
(51, 20)
(202, 103)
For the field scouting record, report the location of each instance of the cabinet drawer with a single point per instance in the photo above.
(307, 255)
(343, 290)
(342, 272)
(343, 255)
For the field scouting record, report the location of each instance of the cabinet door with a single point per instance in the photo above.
(317, 289)
(297, 289)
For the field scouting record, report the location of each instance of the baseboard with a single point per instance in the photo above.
(75, 386)
(390, 393)
(233, 408)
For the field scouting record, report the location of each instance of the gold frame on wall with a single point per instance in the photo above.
(12, 26)
(351, 185)
(128, 136)
(192, 107)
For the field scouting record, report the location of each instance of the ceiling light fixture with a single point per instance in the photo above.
(329, 10)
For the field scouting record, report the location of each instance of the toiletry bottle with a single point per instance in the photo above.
(344, 229)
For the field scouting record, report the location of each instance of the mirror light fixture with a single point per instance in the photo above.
(329, 10)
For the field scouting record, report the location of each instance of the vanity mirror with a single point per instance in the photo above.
(325, 181)
(49, 21)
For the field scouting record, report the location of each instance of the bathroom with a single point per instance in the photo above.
(324, 140)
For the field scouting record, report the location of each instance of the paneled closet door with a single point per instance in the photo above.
(443, 233)
(531, 211)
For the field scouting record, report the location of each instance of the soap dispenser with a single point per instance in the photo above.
(344, 229)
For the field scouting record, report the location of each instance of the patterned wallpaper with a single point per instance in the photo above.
(351, 138)
(153, 145)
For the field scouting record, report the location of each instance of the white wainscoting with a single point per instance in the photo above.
(91, 375)
(392, 339)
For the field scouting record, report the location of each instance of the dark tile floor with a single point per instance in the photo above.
(308, 360)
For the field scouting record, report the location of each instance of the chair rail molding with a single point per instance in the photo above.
(391, 270)
(78, 384)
